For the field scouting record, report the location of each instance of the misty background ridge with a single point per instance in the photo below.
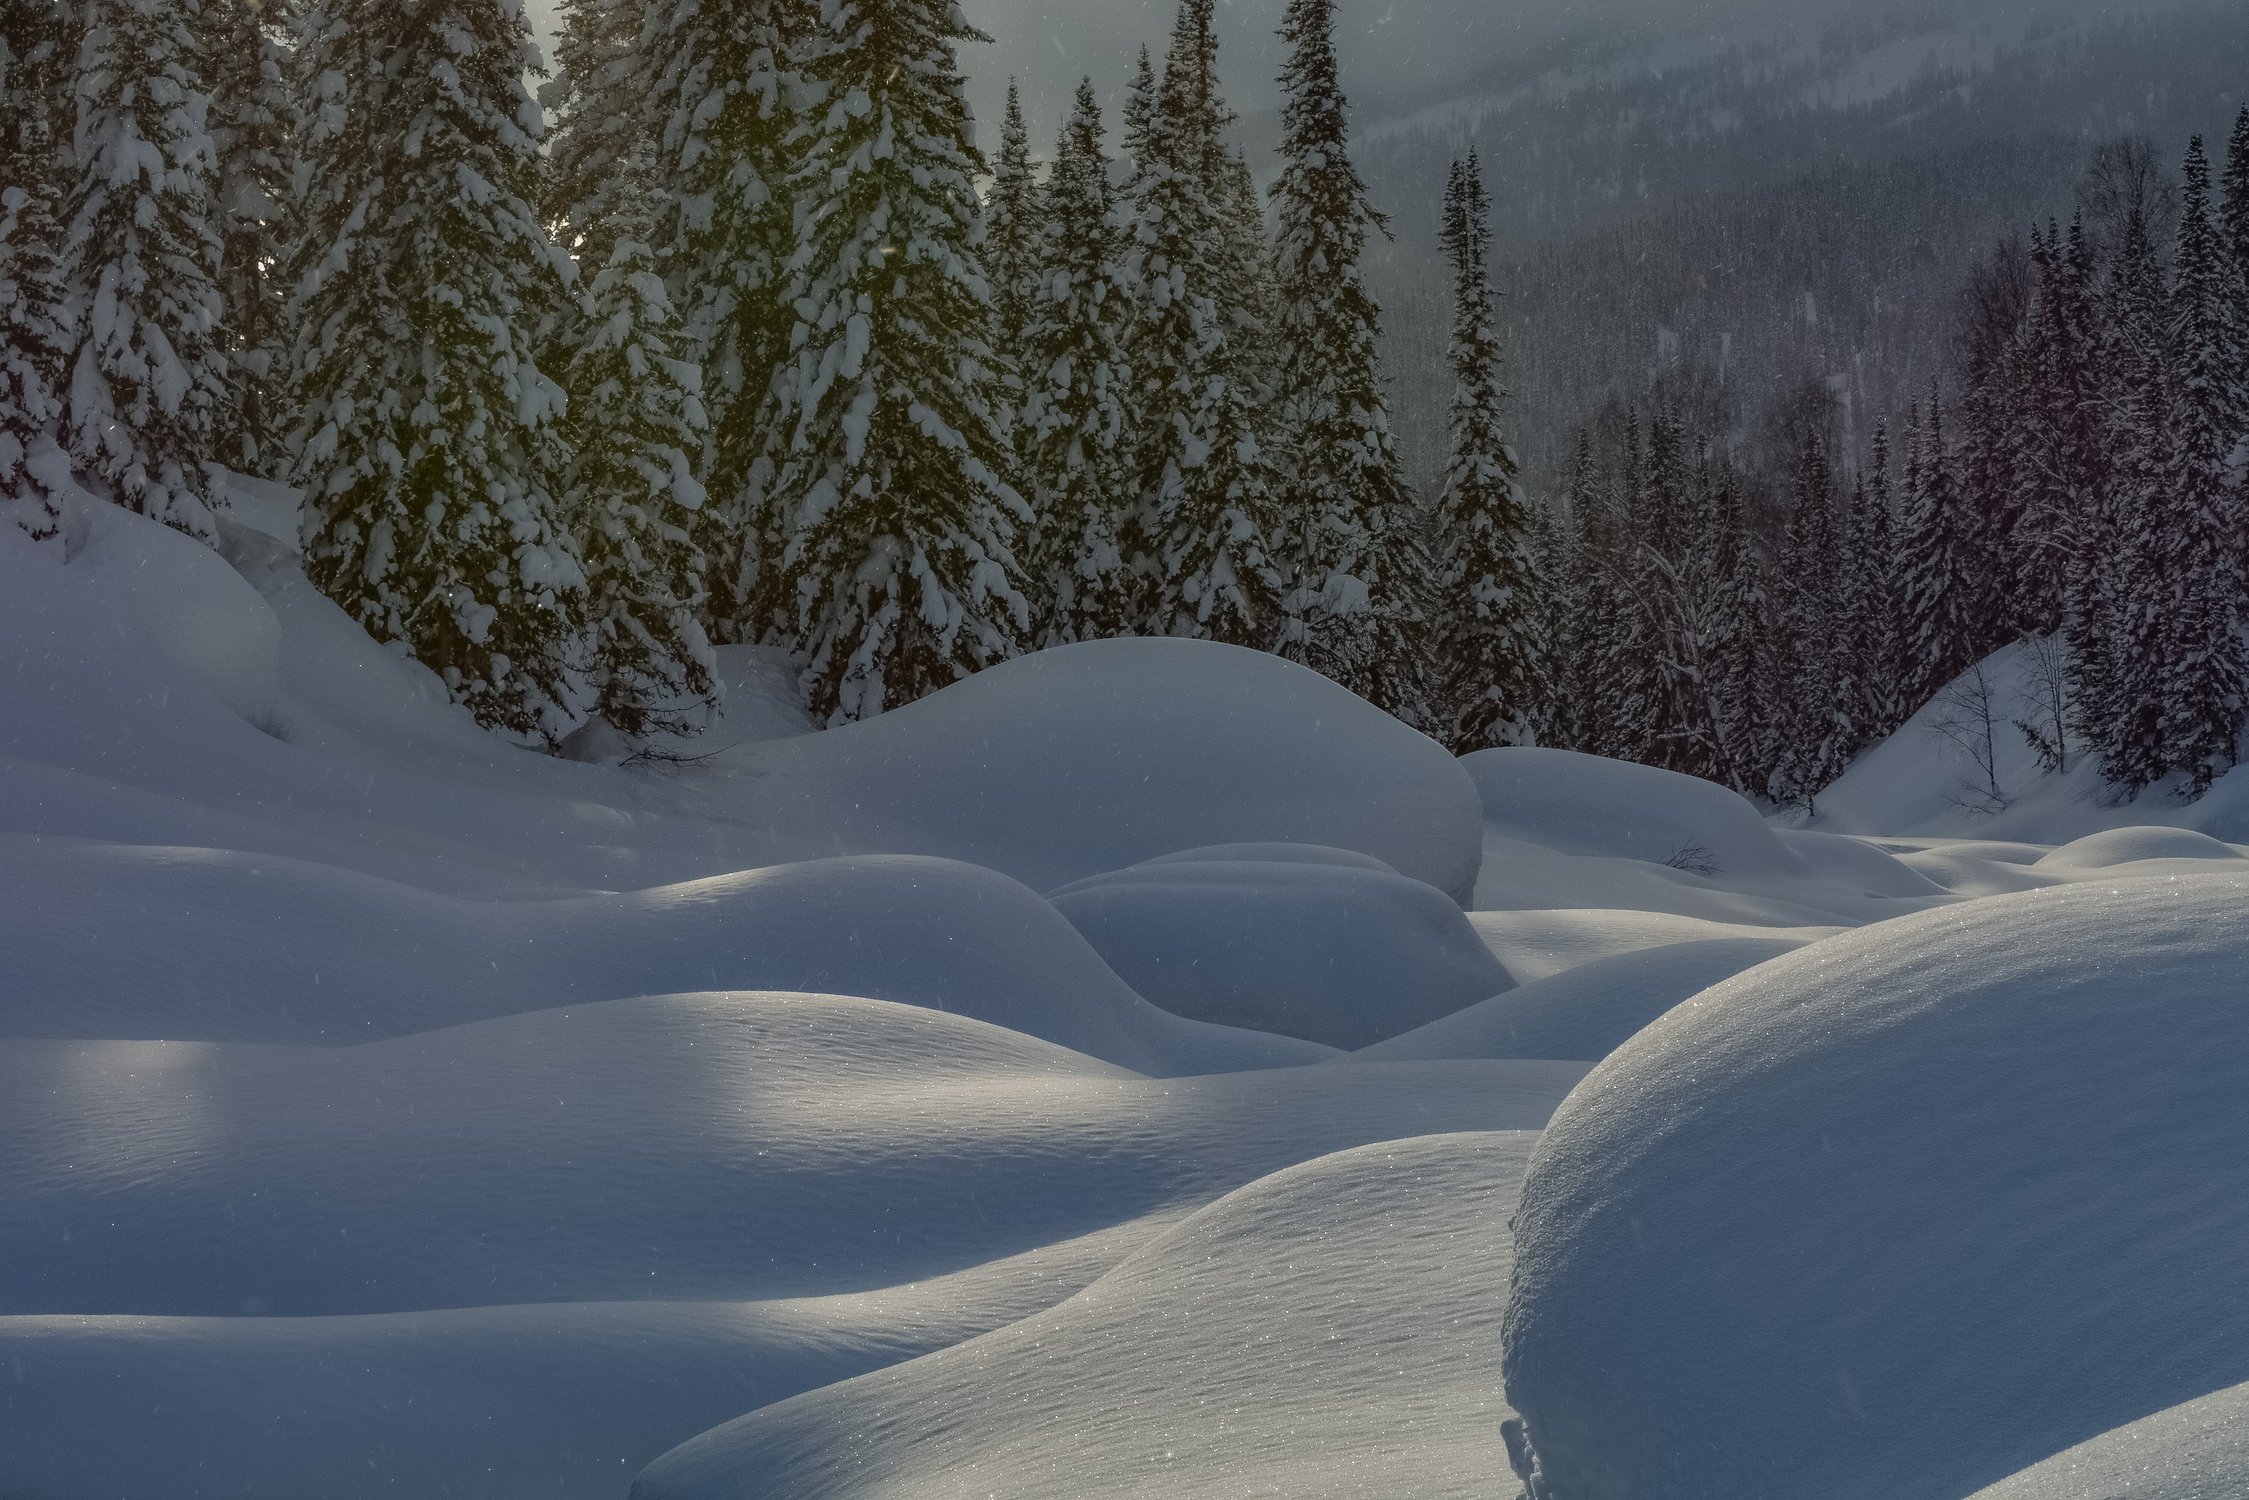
(1703, 204)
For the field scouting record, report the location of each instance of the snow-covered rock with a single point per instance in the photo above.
(1582, 804)
(1900, 1214)
(1323, 949)
(2131, 846)
(1585, 1012)
(1093, 757)
(200, 945)
(1326, 1334)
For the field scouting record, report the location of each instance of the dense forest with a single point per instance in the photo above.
(730, 334)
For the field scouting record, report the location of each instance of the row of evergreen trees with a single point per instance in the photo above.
(739, 353)
(2085, 489)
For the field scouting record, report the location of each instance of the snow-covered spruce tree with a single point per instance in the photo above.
(1013, 223)
(1208, 483)
(901, 517)
(1076, 433)
(2206, 678)
(2119, 626)
(635, 427)
(2233, 218)
(1140, 166)
(719, 97)
(1488, 639)
(429, 442)
(251, 110)
(1874, 626)
(1993, 414)
(1247, 296)
(1945, 579)
(38, 50)
(1814, 735)
(146, 374)
(1140, 127)
(597, 101)
(1352, 541)
(2062, 447)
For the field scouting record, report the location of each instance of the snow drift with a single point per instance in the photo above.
(1328, 1332)
(732, 1146)
(151, 695)
(1272, 940)
(1902, 1213)
(1586, 1012)
(201, 945)
(2197, 1451)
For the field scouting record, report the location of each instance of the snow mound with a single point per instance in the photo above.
(557, 1401)
(1279, 854)
(733, 1146)
(1536, 945)
(1582, 804)
(1332, 952)
(1919, 781)
(242, 710)
(2198, 1451)
(1900, 1214)
(1072, 762)
(1586, 1012)
(2127, 846)
(1327, 1332)
(148, 943)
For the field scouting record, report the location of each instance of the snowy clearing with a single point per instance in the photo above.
(960, 1103)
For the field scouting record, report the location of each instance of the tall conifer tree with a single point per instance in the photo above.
(597, 101)
(251, 111)
(146, 375)
(1942, 550)
(718, 97)
(1209, 484)
(1353, 526)
(1487, 644)
(902, 519)
(38, 52)
(1013, 222)
(430, 445)
(2205, 678)
(636, 425)
(1077, 430)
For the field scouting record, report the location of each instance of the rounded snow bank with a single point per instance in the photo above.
(2127, 846)
(1586, 1012)
(1582, 804)
(1327, 951)
(1899, 1214)
(2199, 1451)
(200, 945)
(1068, 763)
(1321, 1334)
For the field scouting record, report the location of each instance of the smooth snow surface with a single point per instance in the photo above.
(1584, 1012)
(387, 1111)
(2197, 1451)
(1326, 951)
(1097, 756)
(1581, 804)
(1901, 1213)
(1327, 1332)
(107, 941)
